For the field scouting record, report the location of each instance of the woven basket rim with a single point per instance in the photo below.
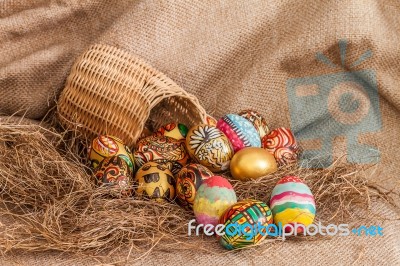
(103, 68)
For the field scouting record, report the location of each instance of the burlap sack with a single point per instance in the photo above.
(328, 69)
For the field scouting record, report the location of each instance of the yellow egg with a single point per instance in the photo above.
(252, 163)
(173, 130)
(155, 181)
(105, 146)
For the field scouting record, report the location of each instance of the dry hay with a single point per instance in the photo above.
(49, 201)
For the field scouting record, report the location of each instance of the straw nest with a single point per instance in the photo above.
(49, 201)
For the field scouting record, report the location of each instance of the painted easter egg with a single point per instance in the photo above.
(113, 171)
(211, 121)
(252, 163)
(188, 180)
(214, 196)
(209, 147)
(292, 202)
(245, 216)
(283, 145)
(173, 130)
(257, 120)
(155, 181)
(162, 149)
(240, 132)
(105, 146)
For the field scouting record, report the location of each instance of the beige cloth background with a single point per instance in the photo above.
(232, 55)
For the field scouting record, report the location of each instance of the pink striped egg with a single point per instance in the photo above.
(214, 196)
(292, 202)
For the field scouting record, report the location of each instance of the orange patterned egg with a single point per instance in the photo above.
(188, 180)
(114, 172)
(162, 149)
(283, 145)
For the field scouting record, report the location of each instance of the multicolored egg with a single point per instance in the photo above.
(214, 196)
(240, 132)
(246, 214)
(257, 120)
(105, 146)
(209, 147)
(292, 202)
(188, 180)
(162, 149)
(173, 130)
(155, 181)
(114, 171)
(283, 145)
(252, 163)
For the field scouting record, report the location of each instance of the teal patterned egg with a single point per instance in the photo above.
(240, 132)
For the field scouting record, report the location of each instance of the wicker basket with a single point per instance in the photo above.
(110, 91)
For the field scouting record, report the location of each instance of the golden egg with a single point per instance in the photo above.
(252, 163)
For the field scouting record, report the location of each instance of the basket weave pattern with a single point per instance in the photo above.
(110, 91)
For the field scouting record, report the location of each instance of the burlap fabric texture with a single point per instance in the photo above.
(328, 69)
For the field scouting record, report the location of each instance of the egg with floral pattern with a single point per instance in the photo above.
(210, 147)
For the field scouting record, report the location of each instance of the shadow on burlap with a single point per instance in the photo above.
(231, 55)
